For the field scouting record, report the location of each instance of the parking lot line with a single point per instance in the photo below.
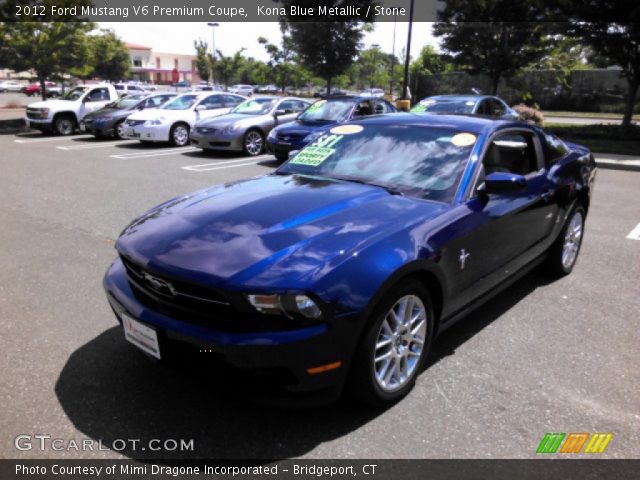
(209, 166)
(155, 153)
(47, 139)
(222, 167)
(96, 145)
(635, 233)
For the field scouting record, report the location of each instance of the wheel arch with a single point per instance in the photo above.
(65, 113)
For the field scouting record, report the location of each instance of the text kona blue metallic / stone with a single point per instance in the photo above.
(340, 268)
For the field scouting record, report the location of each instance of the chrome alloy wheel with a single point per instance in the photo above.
(253, 143)
(572, 239)
(120, 129)
(180, 135)
(400, 343)
(64, 126)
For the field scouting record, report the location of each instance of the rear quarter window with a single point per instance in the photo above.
(556, 148)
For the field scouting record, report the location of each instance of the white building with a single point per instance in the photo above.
(158, 68)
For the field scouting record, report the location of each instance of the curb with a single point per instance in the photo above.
(618, 165)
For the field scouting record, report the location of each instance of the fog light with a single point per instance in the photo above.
(307, 307)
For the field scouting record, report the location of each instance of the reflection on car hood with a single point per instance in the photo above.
(300, 127)
(232, 119)
(286, 230)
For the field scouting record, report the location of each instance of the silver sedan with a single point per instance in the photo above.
(245, 128)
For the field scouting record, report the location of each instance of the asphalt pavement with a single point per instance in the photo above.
(544, 356)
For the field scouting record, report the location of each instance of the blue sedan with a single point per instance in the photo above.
(318, 118)
(340, 268)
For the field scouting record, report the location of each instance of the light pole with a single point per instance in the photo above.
(393, 54)
(375, 47)
(213, 26)
(405, 83)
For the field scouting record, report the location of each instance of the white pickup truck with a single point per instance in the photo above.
(63, 115)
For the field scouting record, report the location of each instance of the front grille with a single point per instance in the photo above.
(34, 113)
(201, 305)
(134, 123)
(290, 137)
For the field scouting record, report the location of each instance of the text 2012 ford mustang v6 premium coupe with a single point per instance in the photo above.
(341, 267)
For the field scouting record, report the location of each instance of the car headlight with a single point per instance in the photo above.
(45, 112)
(157, 121)
(230, 129)
(288, 305)
(312, 137)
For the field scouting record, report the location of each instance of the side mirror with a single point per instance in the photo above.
(503, 182)
(279, 113)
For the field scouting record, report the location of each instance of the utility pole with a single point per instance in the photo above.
(405, 83)
(213, 26)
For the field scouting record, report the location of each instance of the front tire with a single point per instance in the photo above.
(563, 254)
(64, 125)
(179, 135)
(394, 346)
(118, 130)
(253, 143)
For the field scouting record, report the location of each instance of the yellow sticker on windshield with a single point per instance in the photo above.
(346, 129)
(312, 156)
(463, 139)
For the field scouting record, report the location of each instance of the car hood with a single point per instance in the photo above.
(300, 127)
(109, 112)
(274, 231)
(232, 119)
(53, 104)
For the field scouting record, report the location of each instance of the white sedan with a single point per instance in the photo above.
(174, 120)
(10, 86)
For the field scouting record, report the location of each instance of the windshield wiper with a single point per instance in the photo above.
(389, 189)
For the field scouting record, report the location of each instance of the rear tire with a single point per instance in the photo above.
(394, 346)
(64, 125)
(179, 135)
(563, 254)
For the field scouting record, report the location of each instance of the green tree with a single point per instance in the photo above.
(328, 49)
(48, 48)
(499, 43)
(430, 62)
(227, 67)
(618, 42)
(203, 59)
(111, 60)
(281, 59)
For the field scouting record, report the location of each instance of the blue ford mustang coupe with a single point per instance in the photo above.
(340, 268)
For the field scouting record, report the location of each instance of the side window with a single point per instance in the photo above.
(214, 101)
(483, 108)
(556, 148)
(511, 153)
(363, 108)
(380, 106)
(291, 106)
(232, 100)
(98, 94)
(497, 108)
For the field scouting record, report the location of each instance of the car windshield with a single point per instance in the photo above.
(75, 93)
(126, 102)
(183, 102)
(256, 106)
(420, 161)
(445, 106)
(324, 111)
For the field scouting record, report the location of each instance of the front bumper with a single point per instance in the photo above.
(278, 148)
(289, 352)
(99, 127)
(213, 141)
(39, 124)
(153, 133)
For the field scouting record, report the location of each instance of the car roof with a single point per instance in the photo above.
(471, 96)
(466, 122)
(354, 98)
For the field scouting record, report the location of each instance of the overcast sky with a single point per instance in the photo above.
(178, 37)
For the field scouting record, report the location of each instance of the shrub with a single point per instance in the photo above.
(529, 114)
